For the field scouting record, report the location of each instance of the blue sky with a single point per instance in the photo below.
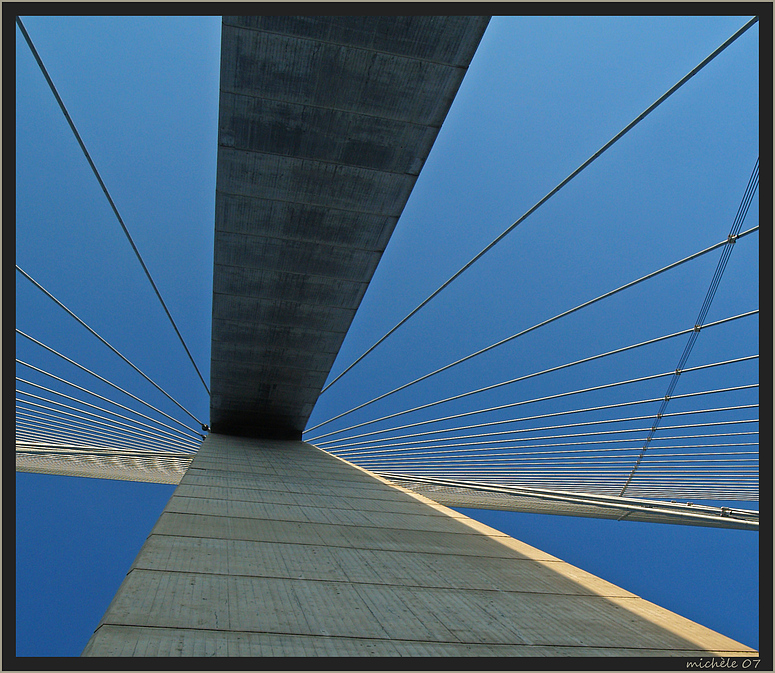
(542, 94)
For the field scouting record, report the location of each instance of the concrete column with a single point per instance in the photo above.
(275, 548)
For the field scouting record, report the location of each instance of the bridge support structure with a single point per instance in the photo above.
(276, 548)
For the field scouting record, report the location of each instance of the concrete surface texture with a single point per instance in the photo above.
(324, 125)
(275, 548)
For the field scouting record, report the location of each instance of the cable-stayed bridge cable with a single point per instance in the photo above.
(451, 457)
(343, 450)
(155, 431)
(78, 427)
(107, 194)
(606, 295)
(742, 211)
(90, 416)
(137, 369)
(575, 454)
(105, 399)
(556, 413)
(38, 436)
(47, 428)
(33, 428)
(621, 457)
(104, 380)
(556, 189)
(484, 445)
(466, 453)
(533, 374)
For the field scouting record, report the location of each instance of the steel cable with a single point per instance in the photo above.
(605, 147)
(737, 224)
(133, 366)
(183, 440)
(105, 399)
(406, 446)
(572, 392)
(46, 428)
(87, 415)
(104, 380)
(479, 445)
(534, 327)
(533, 375)
(559, 413)
(107, 194)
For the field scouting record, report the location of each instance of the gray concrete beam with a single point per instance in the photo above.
(304, 222)
(413, 37)
(324, 126)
